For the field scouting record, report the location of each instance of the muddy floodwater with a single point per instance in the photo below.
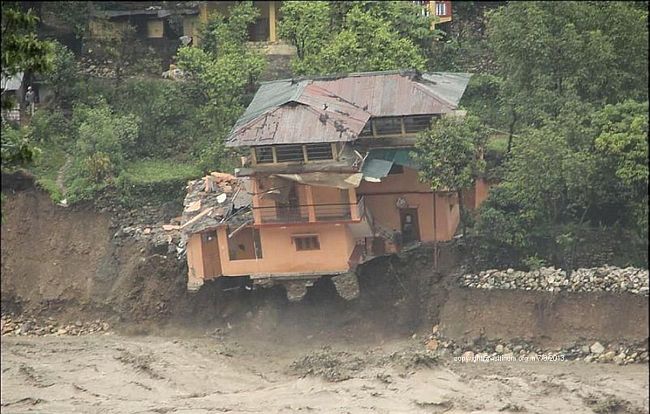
(217, 372)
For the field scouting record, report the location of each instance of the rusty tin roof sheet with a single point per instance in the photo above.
(315, 115)
(331, 109)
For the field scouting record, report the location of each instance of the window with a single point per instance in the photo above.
(289, 153)
(367, 129)
(244, 243)
(441, 9)
(388, 126)
(306, 243)
(396, 169)
(417, 123)
(264, 155)
(317, 152)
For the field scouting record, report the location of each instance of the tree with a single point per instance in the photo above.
(582, 171)
(63, 75)
(371, 36)
(220, 73)
(552, 54)
(102, 137)
(22, 51)
(306, 24)
(623, 141)
(449, 155)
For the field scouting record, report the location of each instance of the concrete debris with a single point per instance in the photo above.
(596, 279)
(347, 285)
(597, 348)
(215, 199)
(483, 349)
(19, 325)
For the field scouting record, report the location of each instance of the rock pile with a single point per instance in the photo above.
(98, 68)
(483, 349)
(17, 325)
(595, 279)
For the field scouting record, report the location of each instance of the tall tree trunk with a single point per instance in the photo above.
(511, 130)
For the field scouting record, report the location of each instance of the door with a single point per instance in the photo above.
(410, 226)
(290, 209)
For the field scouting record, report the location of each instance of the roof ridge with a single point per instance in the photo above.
(339, 75)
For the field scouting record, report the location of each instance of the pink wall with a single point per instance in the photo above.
(418, 195)
(280, 255)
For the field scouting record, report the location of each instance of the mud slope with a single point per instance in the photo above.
(65, 261)
(56, 258)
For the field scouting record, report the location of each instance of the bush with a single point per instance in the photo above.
(50, 126)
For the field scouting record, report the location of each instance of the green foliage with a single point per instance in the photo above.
(122, 46)
(63, 75)
(21, 49)
(563, 177)
(624, 137)
(50, 126)
(306, 24)
(449, 155)
(154, 180)
(219, 75)
(102, 138)
(16, 148)
(449, 152)
(552, 54)
(371, 36)
(74, 15)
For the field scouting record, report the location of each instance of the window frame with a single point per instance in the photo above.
(306, 242)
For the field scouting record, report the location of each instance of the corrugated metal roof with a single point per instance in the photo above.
(13, 83)
(315, 115)
(349, 99)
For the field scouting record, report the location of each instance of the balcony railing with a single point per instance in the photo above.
(306, 213)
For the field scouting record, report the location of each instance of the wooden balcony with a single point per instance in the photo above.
(310, 213)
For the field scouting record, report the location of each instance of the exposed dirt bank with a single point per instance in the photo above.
(550, 319)
(66, 262)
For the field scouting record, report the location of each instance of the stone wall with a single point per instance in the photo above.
(547, 318)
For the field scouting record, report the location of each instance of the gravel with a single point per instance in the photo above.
(481, 348)
(596, 279)
(18, 325)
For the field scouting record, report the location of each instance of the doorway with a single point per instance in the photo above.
(410, 226)
(289, 210)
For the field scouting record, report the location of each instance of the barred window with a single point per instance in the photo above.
(388, 125)
(306, 243)
(317, 152)
(289, 153)
(417, 123)
(264, 155)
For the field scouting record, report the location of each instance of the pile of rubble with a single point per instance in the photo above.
(596, 279)
(215, 199)
(483, 349)
(210, 201)
(17, 325)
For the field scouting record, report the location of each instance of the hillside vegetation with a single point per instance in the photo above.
(557, 106)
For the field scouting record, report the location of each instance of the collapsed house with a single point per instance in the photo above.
(329, 182)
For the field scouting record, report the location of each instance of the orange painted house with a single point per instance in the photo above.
(328, 183)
